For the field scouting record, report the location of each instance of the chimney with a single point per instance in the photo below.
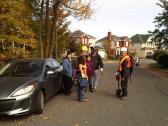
(109, 37)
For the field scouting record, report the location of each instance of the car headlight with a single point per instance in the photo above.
(24, 90)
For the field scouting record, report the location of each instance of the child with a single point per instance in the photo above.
(90, 72)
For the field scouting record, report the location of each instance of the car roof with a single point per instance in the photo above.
(31, 59)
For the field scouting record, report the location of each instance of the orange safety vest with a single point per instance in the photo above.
(122, 60)
(84, 67)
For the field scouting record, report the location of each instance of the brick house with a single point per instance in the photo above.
(113, 43)
(84, 38)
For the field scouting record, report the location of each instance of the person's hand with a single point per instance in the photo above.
(83, 75)
(122, 78)
(86, 76)
(101, 69)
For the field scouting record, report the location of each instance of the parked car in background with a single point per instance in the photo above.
(26, 84)
(137, 61)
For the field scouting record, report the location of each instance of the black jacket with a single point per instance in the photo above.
(97, 61)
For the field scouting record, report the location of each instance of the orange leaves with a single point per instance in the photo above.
(15, 29)
(79, 8)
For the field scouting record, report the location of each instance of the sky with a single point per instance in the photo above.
(121, 17)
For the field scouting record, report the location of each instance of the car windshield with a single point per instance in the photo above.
(22, 69)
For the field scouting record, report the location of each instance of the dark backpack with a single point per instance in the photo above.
(132, 64)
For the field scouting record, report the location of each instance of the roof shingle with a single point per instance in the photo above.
(140, 38)
(79, 33)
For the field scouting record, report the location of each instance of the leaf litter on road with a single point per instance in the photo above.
(47, 117)
(77, 124)
(166, 118)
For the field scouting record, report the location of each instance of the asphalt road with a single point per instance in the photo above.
(147, 104)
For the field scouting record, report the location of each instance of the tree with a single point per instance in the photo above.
(160, 34)
(52, 20)
(16, 37)
(74, 47)
(76, 8)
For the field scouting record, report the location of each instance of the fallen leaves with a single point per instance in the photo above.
(77, 125)
(47, 117)
(166, 119)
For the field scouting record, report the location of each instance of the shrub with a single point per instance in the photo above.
(163, 60)
(157, 54)
(111, 56)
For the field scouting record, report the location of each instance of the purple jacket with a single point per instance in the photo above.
(90, 68)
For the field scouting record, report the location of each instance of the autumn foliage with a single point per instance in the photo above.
(38, 28)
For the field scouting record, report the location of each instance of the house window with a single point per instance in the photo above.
(117, 44)
(126, 44)
(83, 40)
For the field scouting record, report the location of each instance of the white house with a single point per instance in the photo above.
(142, 45)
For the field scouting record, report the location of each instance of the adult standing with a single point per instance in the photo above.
(124, 70)
(98, 64)
(67, 69)
(81, 74)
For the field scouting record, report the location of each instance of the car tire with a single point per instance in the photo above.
(39, 103)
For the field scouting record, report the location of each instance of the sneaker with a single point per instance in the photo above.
(124, 98)
(84, 100)
(95, 88)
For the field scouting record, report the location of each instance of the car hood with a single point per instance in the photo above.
(10, 84)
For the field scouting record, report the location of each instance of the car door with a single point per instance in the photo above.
(49, 79)
(58, 75)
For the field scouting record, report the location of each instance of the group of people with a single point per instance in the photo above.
(86, 71)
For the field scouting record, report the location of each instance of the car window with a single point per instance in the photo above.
(55, 64)
(22, 69)
(49, 65)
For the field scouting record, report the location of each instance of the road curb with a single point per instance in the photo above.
(157, 69)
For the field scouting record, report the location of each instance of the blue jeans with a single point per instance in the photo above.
(80, 90)
(96, 78)
(90, 82)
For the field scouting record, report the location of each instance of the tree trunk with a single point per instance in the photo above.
(53, 33)
(56, 36)
(47, 28)
(40, 31)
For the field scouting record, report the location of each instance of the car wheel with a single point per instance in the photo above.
(39, 103)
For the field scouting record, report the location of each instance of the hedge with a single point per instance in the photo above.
(161, 57)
